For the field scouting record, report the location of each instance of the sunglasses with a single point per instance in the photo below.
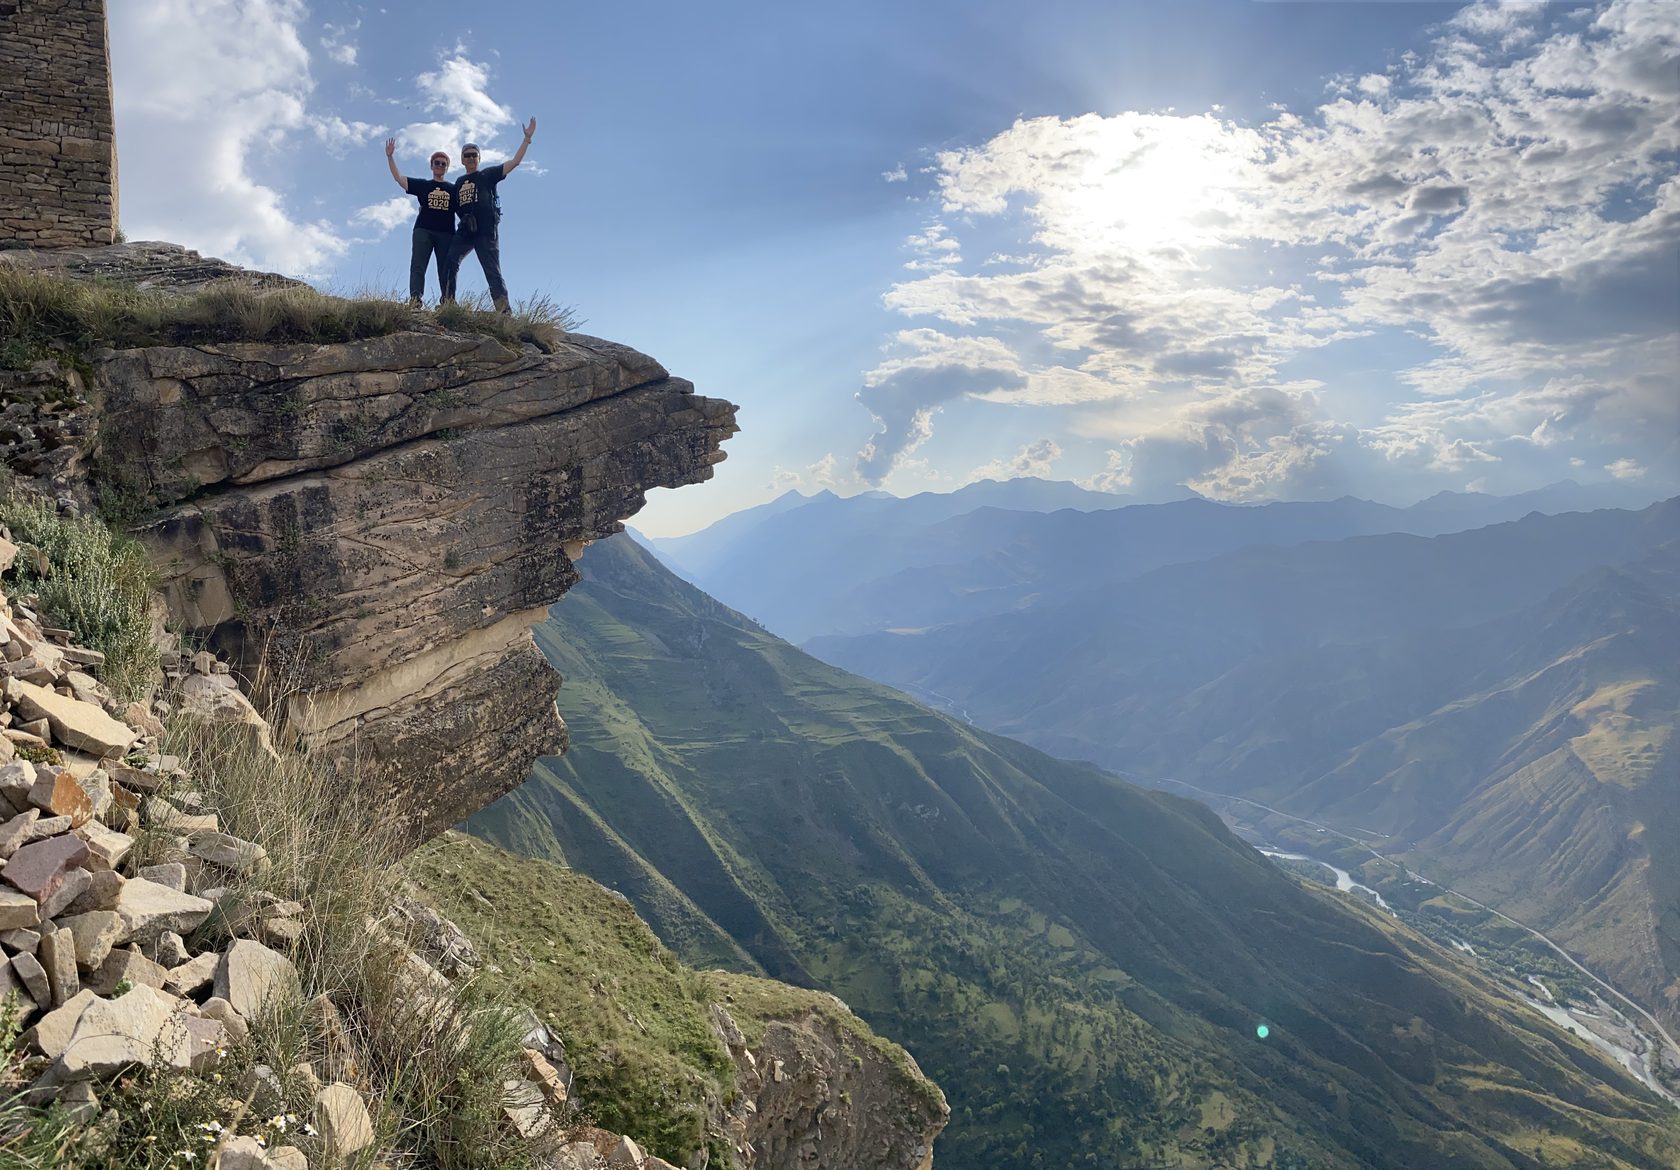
(438, 162)
(472, 154)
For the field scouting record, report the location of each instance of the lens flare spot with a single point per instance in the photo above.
(1263, 1031)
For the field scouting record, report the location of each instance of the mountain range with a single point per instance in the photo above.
(813, 566)
(1496, 707)
(1096, 974)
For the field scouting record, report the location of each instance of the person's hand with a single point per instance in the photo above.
(530, 129)
(391, 145)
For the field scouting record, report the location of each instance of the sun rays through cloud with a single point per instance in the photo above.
(1508, 203)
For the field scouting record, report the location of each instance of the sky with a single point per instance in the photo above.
(1266, 251)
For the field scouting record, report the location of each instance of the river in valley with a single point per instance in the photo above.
(1344, 880)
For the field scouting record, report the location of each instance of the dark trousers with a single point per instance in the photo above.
(428, 243)
(489, 249)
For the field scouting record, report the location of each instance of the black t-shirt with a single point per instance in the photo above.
(475, 195)
(437, 204)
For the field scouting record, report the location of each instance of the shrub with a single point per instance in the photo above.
(436, 1064)
(89, 580)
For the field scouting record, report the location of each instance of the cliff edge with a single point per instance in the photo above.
(370, 526)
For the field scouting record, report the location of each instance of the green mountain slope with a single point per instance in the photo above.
(1496, 707)
(1080, 964)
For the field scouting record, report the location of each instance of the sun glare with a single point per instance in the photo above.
(1153, 185)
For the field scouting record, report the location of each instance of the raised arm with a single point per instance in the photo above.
(519, 155)
(391, 161)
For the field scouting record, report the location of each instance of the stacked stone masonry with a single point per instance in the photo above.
(58, 169)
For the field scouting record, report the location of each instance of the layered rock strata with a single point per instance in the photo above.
(380, 522)
(368, 528)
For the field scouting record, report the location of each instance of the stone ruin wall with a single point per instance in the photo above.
(58, 163)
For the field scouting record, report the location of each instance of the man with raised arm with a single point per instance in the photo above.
(476, 207)
(434, 227)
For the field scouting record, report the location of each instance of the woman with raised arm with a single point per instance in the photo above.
(434, 227)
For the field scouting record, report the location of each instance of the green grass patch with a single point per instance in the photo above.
(91, 581)
(43, 314)
(634, 1021)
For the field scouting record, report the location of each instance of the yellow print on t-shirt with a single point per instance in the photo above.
(467, 194)
(438, 200)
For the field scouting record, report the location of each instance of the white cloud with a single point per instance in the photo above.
(340, 136)
(1625, 469)
(1115, 476)
(896, 175)
(338, 42)
(828, 472)
(458, 90)
(1037, 459)
(1510, 199)
(386, 216)
(934, 248)
(208, 93)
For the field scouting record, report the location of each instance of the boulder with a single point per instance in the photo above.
(57, 794)
(17, 832)
(17, 779)
(207, 1040)
(172, 874)
(243, 1153)
(94, 935)
(217, 699)
(144, 1027)
(222, 1010)
(51, 1034)
(76, 883)
(194, 975)
(58, 958)
(342, 1119)
(149, 909)
(228, 851)
(250, 976)
(38, 869)
(106, 847)
(137, 715)
(577, 1156)
(49, 827)
(126, 965)
(74, 723)
(21, 939)
(18, 910)
(170, 949)
(101, 793)
(29, 972)
(103, 892)
(158, 813)
(12, 987)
